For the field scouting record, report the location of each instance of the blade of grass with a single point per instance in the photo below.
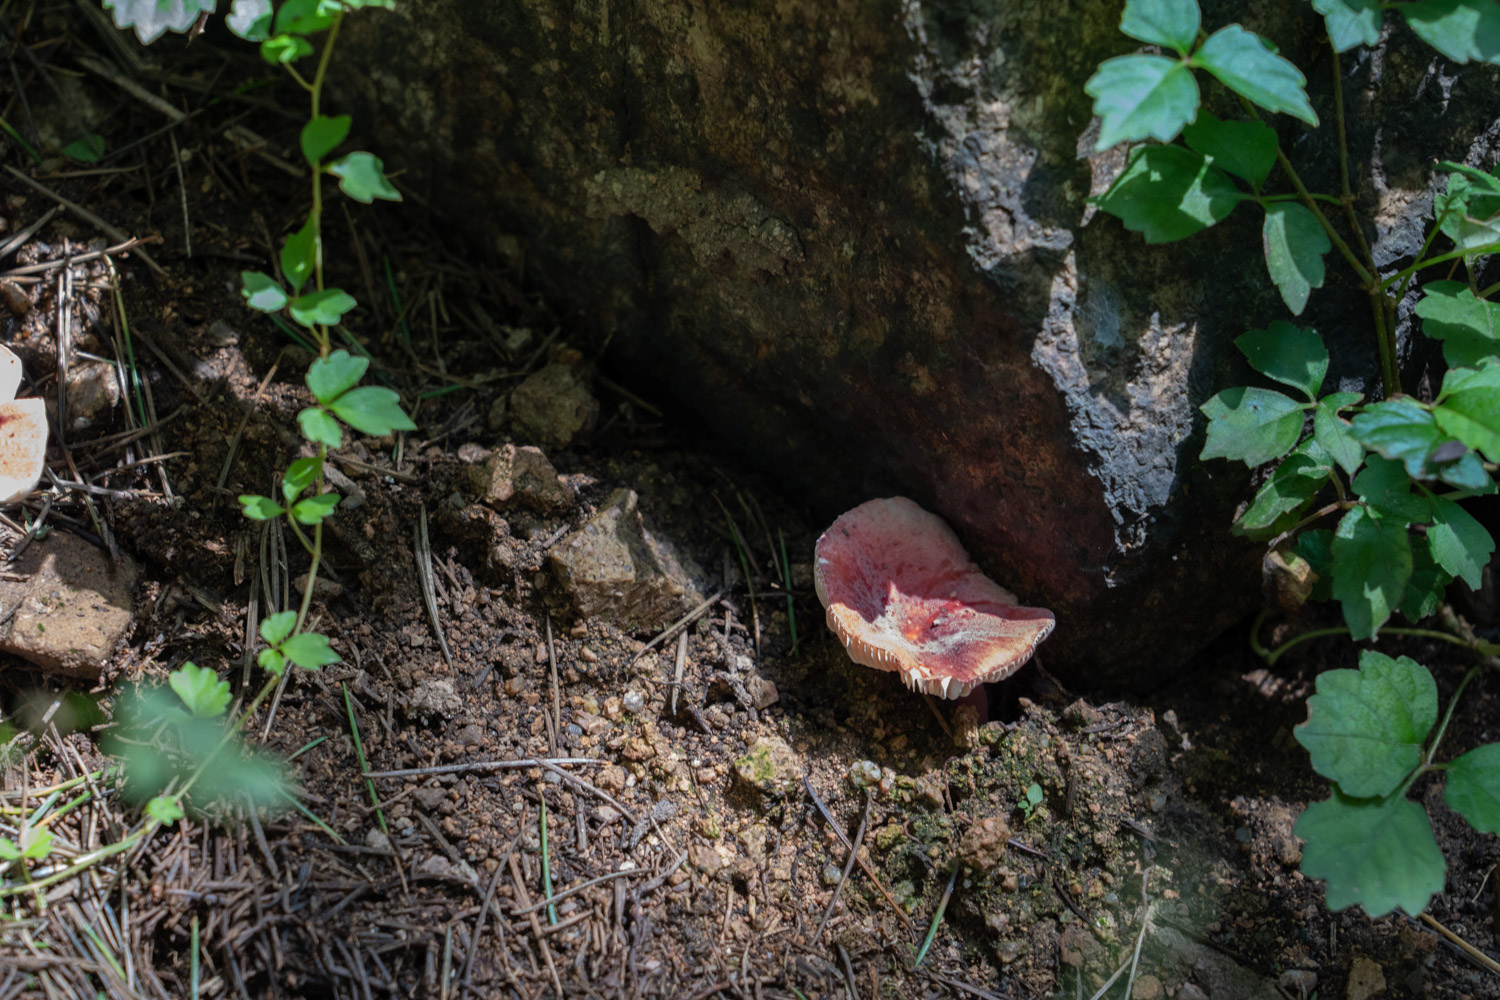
(786, 583)
(390, 281)
(5, 127)
(937, 918)
(359, 751)
(547, 866)
(293, 334)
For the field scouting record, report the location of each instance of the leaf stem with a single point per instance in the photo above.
(1270, 656)
(1432, 747)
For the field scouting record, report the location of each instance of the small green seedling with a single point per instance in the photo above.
(1028, 803)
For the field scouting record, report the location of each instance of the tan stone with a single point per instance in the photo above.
(72, 608)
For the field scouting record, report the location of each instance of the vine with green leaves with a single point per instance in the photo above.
(1389, 475)
(175, 752)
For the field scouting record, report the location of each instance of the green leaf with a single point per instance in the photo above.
(1291, 356)
(282, 50)
(274, 629)
(1460, 544)
(1350, 22)
(200, 690)
(152, 18)
(261, 291)
(1468, 211)
(372, 410)
(1289, 489)
(1334, 435)
(1170, 23)
(89, 149)
(1474, 787)
(1371, 564)
(1385, 486)
(1250, 425)
(319, 427)
(1469, 327)
(299, 255)
(1142, 97)
(1469, 408)
(259, 508)
(1403, 430)
(36, 844)
(299, 476)
(1169, 193)
(271, 661)
(323, 308)
(164, 809)
(237, 776)
(321, 135)
(1294, 245)
(1462, 30)
(309, 650)
(9, 850)
(362, 177)
(315, 509)
(1242, 62)
(331, 377)
(305, 17)
(1245, 149)
(250, 19)
(1378, 853)
(1316, 547)
(1365, 728)
(1426, 585)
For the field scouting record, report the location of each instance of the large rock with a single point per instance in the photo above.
(853, 236)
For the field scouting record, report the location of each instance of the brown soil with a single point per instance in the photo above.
(704, 846)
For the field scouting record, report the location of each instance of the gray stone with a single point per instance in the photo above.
(613, 568)
(770, 766)
(72, 608)
(434, 697)
(523, 475)
(554, 406)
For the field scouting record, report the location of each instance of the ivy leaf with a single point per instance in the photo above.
(1250, 425)
(200, 690)
(164, 809)
(362, 177)
(1462, 30)
(282, 50)
(1403, 430)
(1350, 22)
(261, 291)
(1242, 62)
(1474, 787)
(1290, 356)
(1428, 582)
(321, 135)
(315, 509)
(1365, 728)
(1169, 193)
(331, 377)
(259, 508)
(152, 18)
(1379, 853)
(1469, 327)
(275, 628)
(298, 256)
(1469, 407)
(1468, 211)
(250, 19)
(309, 650)
(1170, 23)
(299, 476)
(323, 308)
(372, 410)
(1294, 243)
(1245, 149)
(1289, 489)
(319, 427)
(1460, 544)
(1333, 432)
(1371, 564)
(1385, 486)
(1142, 97)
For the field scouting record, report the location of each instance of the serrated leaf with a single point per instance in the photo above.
(164, 809)
(1378, 853)
(1171, 23)
(271, 661)
(1426, 585)
(1468, 211)
(1469, 408)
(323, 308)
(1371, 564)
(1403, 430)
(1294, 244)
(259, 508)
(331, 377)
(1242, 62)
(1168, 193)
(362, 177)
(1350, 22)
(1365, 728)
(309, 650)
(1287, 354)
(315, 509)
(299, 255)
(1462, 30)
(35, 844)
(1460, 544)
(305, 17)
(275, 628)
(200, 690)
(261, 291)
(281, 50)
(372, 410)
(1469, 327)
(1251, 425)
(1245, 149)
(319, 427)
(1335, 436)
(1289, 489)
(153, 18)
(321, 135)
(250, 19)
(301, 474)
(1384, 485)
(1142, 97)
(1474, 787)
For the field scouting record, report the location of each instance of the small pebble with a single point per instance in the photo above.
(634, 701)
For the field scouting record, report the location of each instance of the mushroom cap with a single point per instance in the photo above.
(902, 594)
(23, 447)
(10, 374)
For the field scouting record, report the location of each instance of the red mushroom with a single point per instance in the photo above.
(903, 595)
